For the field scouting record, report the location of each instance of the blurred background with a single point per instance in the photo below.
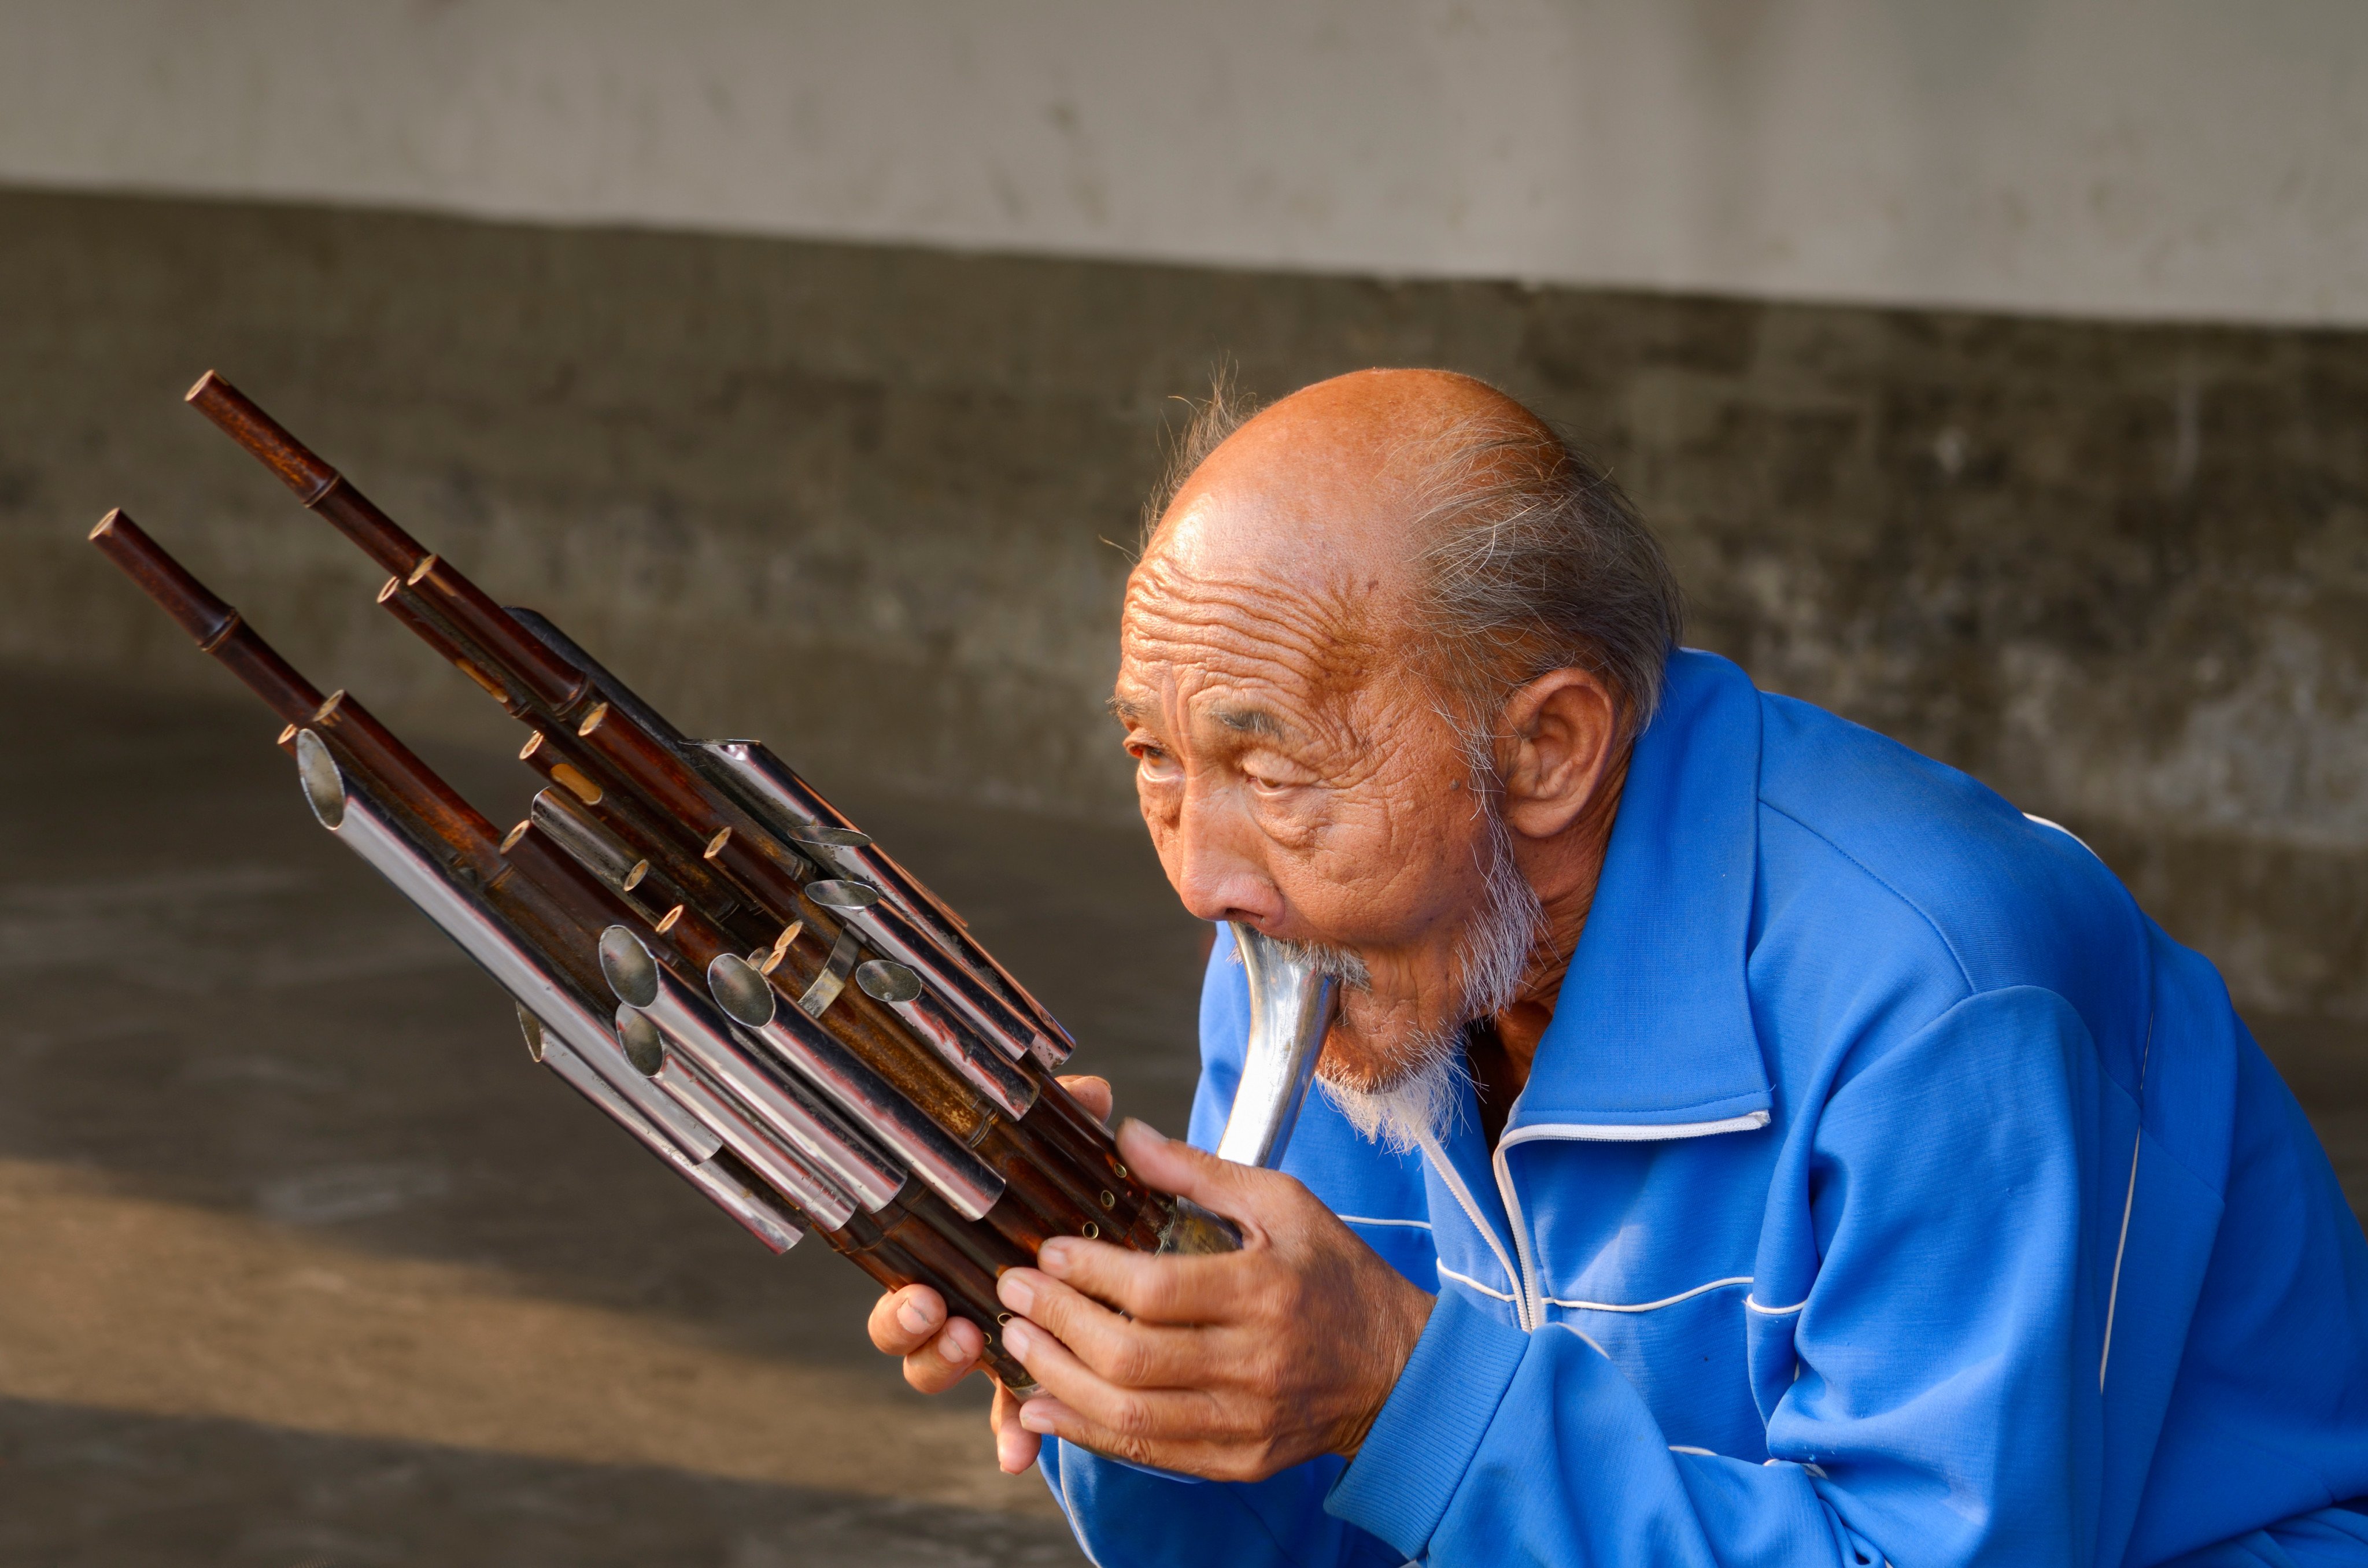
(1998, 376)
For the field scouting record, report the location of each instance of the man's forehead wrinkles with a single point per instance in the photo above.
(1240, 619)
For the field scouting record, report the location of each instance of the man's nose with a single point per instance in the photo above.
(1219, 876)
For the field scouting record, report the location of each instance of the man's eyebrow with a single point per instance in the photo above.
(1128, 710)
(1252, 722)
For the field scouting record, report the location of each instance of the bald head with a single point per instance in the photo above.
(1330, 487)
(1433, 515)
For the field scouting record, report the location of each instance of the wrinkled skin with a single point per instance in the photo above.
(1298, 774)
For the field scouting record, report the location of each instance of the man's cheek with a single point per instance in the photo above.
(1376, 896)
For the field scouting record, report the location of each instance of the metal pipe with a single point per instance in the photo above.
(760, 1215)
(723, 1115)
(892, 933)
(790, 806)
(591, 846)
(694, 1029)
(364, 826)
(957, 1175)
(988, 1070)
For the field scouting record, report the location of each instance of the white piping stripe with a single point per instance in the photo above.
(2033, 816)
(1775, 1311)
(1592, 1344)
(2129, 1201)
(2113, 1297)
(1520, 1224)
(1650, 1306)
(1682, 1449)
(1636, 1133)
(1533, 1306)
(1447, 1273)
(1447, 1173)
(1368, 1219)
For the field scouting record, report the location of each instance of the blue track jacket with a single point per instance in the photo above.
(1887, 1188)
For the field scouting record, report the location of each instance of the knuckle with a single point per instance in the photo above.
(1130, 1361)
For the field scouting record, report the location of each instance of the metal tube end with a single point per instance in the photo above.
(324, 787)
(740, 990)
(885, 980)
(631, 973)
(532, 1026)
(841, 894)
(645, 1047)
(832, 838)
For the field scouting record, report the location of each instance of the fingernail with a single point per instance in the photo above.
(1021, 1340)
(1016, 1290)
(1053, 1257)
(1035, 1418)
(915, 1320)
(954, 1354)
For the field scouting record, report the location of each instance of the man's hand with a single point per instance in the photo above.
(911, 1323)
(1230, 1367)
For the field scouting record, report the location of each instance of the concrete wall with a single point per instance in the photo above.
(855, 500)
(2183, 158)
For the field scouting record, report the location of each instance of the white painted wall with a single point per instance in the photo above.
(2177, 158)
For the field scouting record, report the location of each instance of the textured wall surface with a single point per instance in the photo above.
(2188, 158)
(856, 499)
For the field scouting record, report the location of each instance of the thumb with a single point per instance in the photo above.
(1219, 1186)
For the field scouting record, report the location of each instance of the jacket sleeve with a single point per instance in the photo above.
(1935, 1413)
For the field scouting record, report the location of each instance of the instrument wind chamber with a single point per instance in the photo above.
(717, 959)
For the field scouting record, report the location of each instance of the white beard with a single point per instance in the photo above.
(1418, 1101)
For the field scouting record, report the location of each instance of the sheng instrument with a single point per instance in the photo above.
(723, 963)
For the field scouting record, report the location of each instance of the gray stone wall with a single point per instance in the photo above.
(860, 501)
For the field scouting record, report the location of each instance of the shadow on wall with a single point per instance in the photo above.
(856, 501)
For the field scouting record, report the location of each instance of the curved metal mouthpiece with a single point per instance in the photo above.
(1291, 1003)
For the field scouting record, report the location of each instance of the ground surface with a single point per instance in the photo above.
(302, 1262)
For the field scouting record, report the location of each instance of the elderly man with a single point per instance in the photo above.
(1746, 1141)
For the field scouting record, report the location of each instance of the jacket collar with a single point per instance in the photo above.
(1651, 1035)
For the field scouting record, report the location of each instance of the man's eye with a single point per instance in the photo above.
(1155, 764)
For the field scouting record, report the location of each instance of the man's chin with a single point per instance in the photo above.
(1379, 1062)
(1400, 1098)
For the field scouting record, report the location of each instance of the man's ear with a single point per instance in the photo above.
(1560, 732)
